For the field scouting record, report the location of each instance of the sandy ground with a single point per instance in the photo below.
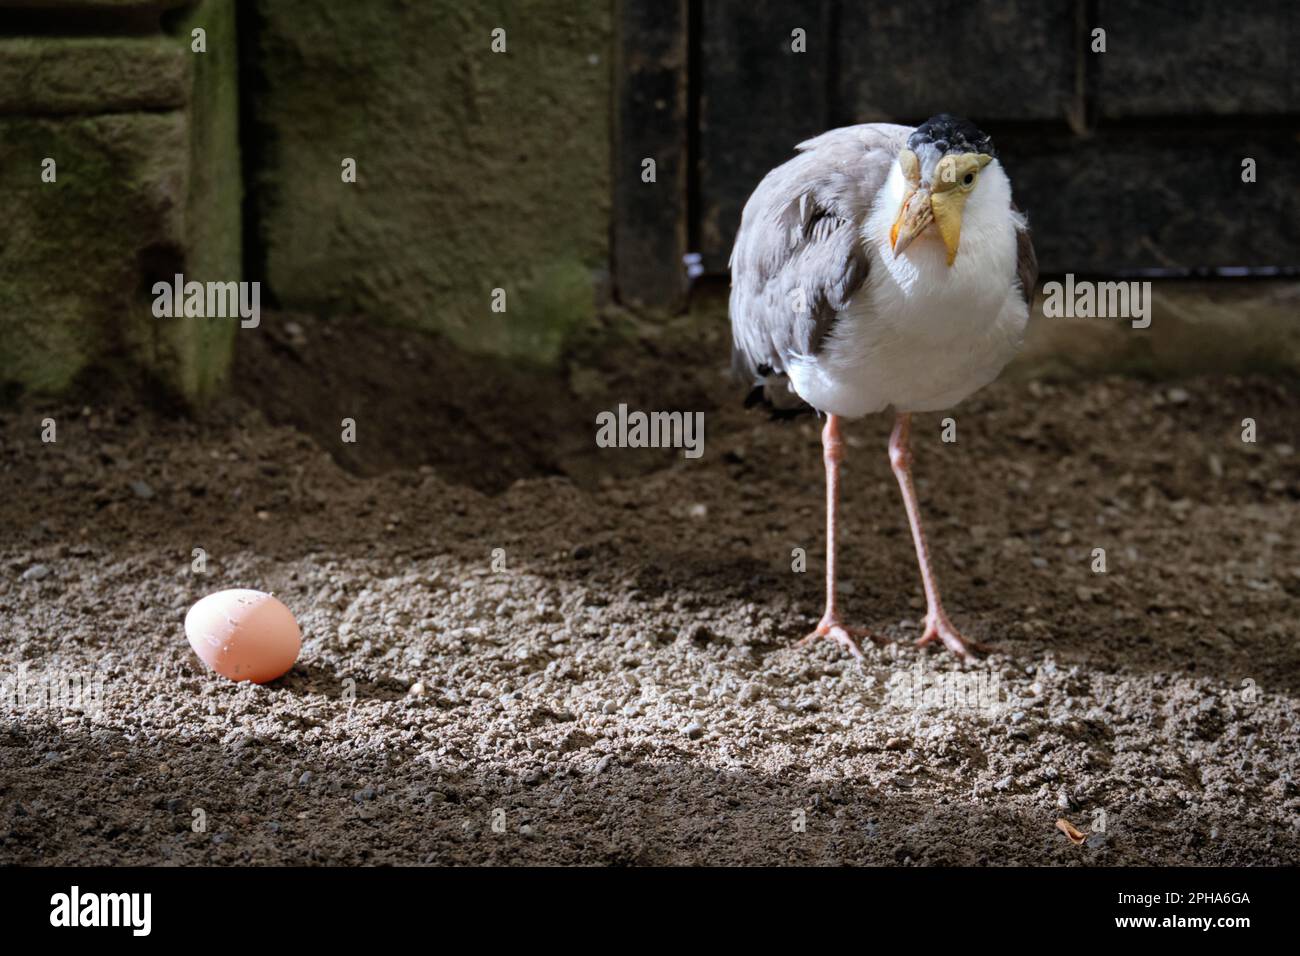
(519, 648)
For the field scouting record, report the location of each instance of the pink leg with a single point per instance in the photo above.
(830, 626)
(937, 624)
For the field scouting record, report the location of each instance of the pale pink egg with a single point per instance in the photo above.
(244, 634)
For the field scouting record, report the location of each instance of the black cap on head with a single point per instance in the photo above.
(951, 134)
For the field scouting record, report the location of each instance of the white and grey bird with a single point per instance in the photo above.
(881, 267)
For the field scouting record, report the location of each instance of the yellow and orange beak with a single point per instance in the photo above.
(939, 203)
(915, 216)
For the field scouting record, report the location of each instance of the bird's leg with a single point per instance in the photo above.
(830, 626)
(937, 624)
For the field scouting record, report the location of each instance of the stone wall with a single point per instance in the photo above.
(476, 170)
(480, 170)
(145, 183)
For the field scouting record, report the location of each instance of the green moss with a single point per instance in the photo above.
(43, 76)
(476, 170)
(69, 274)
(543, 309)
(138, 197)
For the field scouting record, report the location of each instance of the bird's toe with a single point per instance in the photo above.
(939, 628)
(846, 637)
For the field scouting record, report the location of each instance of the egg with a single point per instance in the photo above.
(244, 634)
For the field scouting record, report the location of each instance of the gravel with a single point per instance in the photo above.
(626, 684)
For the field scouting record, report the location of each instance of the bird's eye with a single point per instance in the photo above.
(970, 178)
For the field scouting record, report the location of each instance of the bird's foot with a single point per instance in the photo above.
(830, 627)
(938, 627)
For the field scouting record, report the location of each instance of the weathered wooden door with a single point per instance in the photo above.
(1141, 136)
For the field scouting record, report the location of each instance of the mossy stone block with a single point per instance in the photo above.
(75, 253)
(43, 76)
(476, 170)
(145, 183)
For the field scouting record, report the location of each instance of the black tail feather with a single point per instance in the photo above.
(758, 395)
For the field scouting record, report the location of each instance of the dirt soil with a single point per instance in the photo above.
(521, 648)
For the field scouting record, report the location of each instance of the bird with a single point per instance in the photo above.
(882, 267)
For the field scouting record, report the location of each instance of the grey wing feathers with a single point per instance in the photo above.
(799, 257)
(1026, 262)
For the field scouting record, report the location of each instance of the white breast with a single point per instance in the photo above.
(922, 335)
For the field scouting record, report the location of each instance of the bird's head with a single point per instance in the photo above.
(941, 166)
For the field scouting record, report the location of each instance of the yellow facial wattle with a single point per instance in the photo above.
(941, 201)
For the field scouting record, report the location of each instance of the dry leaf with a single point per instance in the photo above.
(1071, 831)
